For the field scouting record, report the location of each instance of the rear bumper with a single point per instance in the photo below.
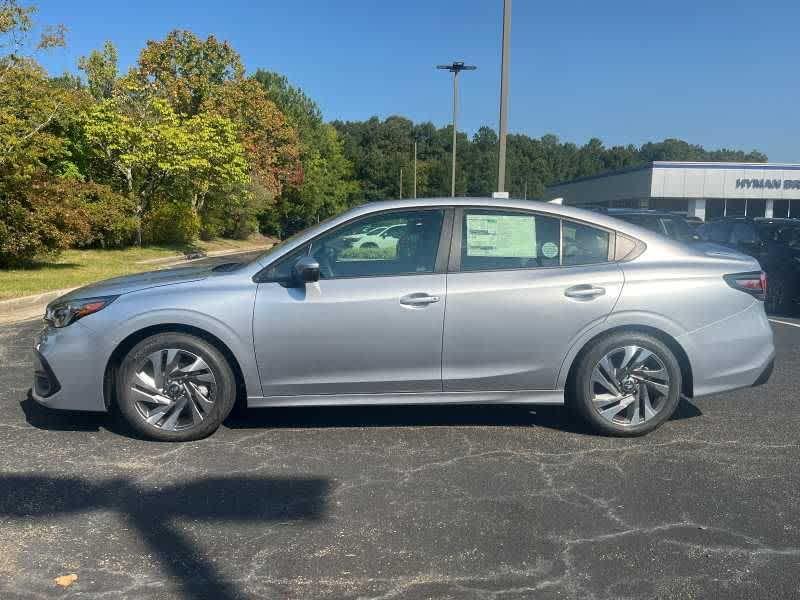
(736, 352)
(765, 374)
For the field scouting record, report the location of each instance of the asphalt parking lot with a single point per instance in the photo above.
(410, 502)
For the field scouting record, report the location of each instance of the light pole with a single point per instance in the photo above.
(501, 154)
(415, 169)
(455, 68)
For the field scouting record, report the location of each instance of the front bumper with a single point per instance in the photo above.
(69, 365)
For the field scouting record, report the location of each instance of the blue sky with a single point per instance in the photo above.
(713, 72)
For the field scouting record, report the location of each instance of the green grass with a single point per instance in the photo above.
(74, 268)
(369, 253)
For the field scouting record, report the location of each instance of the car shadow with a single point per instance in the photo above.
(151, 512)
(442, 415)
(41, 417)
(315, 417)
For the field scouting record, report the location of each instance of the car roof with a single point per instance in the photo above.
(642, 211)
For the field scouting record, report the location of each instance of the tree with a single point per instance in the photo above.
(101, 71)
(156, 155)
(28, 101)
(185, 70)
(271, 143)
(327, 186)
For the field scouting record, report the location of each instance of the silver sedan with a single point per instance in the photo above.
(477, 301)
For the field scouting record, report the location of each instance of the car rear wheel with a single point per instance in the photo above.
(626, 384)
(175, 387)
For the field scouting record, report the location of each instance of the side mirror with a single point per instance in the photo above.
(305, 270)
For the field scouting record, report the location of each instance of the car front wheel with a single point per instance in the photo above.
(626, 384)
(175, 387)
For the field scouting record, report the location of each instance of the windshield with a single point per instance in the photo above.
(286, 242)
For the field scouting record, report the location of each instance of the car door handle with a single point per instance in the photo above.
(584, 292)
(418, 300)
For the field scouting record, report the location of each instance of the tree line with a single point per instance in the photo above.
(187, 144)
(380, 149)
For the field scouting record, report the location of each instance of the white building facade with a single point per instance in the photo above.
(703, 189)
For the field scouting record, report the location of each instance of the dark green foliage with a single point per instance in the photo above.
(37, 220)
(379, 149)
(171, 223)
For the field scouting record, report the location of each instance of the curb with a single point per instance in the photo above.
(28, 307)
(179, 258)
(14, 304)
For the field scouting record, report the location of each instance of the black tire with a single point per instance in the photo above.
(582, 390)
(369, 245)
(224, 395)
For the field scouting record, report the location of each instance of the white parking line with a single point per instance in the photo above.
(784, 323)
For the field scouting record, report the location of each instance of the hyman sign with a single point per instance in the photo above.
(772, 184)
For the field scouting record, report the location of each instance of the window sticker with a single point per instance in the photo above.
(501, 235)
(549, 250)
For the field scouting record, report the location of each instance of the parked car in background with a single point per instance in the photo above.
(379, 237)
(693, 222)
(545, 304)
(775, 243)
(673, 226)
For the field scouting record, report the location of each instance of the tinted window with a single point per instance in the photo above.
(584, 245)
(508, 240)
(743, 233)
(397, 243)
(282, 270)
(646, 221)
(677, 229)
(718, 231)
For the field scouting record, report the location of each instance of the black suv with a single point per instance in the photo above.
(776, 245)
(666, 223)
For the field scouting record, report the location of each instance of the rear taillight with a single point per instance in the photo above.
(754, 283)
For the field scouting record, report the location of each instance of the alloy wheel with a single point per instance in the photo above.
(629, 385)
(173, 389)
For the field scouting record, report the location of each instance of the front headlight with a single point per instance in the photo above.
(64, 313)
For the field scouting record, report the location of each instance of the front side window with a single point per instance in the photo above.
(492, 239)
(397, 243)
(584, 245)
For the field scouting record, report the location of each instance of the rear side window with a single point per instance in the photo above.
(496, 240)
(584, 245)
(492, 240)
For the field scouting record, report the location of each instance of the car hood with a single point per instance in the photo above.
(140, 281)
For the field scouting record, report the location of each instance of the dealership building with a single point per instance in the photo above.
(702, 189)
